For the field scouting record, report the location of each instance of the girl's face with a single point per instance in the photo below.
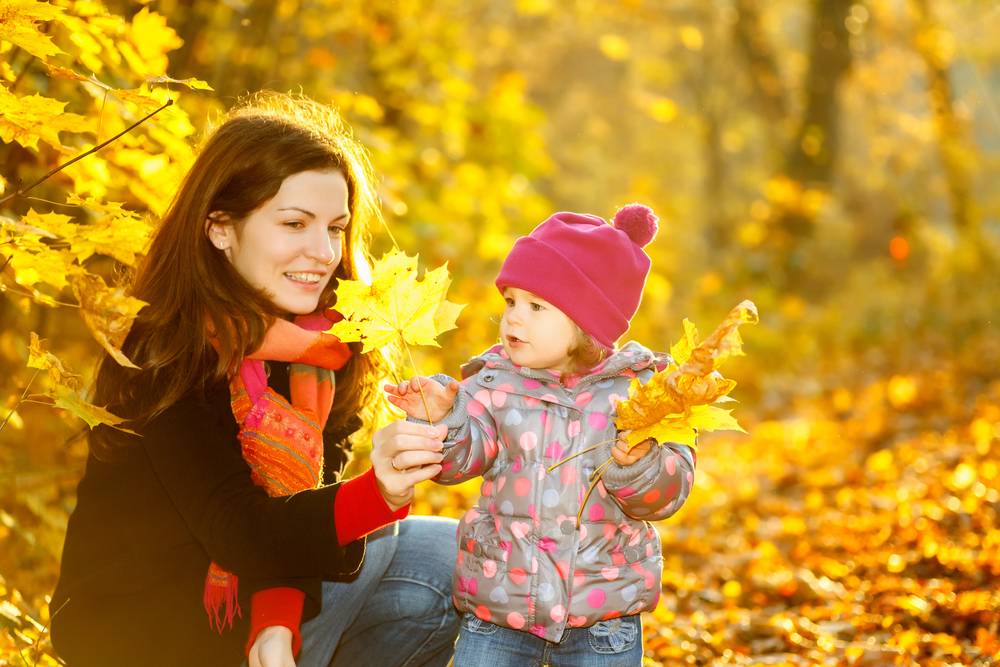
(534, 333)
(291, 244)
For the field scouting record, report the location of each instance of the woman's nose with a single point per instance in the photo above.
(320, 246)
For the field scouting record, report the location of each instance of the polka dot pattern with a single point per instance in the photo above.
(517, 546)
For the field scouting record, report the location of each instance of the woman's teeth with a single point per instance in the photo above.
(304, 277)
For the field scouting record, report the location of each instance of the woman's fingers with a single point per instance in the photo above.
(404, 443)
(403, 435)
(404, 454)
(415, 458)
(421, 474)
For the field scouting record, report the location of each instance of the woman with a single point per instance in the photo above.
(206, 532)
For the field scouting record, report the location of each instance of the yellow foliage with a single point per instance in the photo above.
(396, 305)
(33, 261)
(118, 233)
(149, 40)
(27, 120)
(676, 403)
(614, 47)
(692, 38)
(108, 312)
(41, 359)
(18, 20)
(64, 389)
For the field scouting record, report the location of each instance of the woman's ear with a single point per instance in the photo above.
(219, 230)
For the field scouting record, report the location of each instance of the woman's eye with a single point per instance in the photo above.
(335, 230)
(294, 224)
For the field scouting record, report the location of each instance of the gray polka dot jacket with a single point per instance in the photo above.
(523, 560)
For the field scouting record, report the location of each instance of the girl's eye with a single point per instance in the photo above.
(510, 302)
(536, 307)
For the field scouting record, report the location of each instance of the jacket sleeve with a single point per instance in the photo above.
(471, 445)
(194, 454)
(655, 486)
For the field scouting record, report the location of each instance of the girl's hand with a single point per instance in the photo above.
(406, 396)
(272, 648)
(623, 456)
(403, 454)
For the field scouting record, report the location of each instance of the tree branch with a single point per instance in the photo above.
(22, 191)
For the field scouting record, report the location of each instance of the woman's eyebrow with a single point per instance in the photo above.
(300, 210)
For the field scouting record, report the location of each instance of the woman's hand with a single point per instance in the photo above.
(624, 456)
(272, 648)
(406, 396)
(403, 454)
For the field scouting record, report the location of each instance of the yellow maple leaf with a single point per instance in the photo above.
(41, 359)
(64, 387)
(677, 402)
(117, 232)
(108, 312)
(35, 262)
(149, 40)
(93, 415)
(27, 120)
(18, 25)
(191, 82)
(395, 305)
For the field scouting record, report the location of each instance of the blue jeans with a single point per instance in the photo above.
(614, 643)
(398, 611)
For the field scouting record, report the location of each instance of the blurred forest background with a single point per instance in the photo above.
(836, 162)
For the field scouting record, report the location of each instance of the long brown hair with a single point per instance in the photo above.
(195, 294)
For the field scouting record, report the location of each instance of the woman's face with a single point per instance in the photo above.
(291, 244)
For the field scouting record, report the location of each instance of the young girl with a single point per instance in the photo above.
(537, 586)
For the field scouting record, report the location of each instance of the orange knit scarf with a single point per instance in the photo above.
(281, 440)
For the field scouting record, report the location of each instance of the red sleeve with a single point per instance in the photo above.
(276, 606)
(360, 508)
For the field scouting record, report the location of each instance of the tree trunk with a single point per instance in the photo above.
(811, 156)
(954, 153)
(762, 64)
(813, 152)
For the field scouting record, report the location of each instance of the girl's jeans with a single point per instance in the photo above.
(614, 643)
(398, 611)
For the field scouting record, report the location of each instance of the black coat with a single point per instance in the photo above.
(147, 525)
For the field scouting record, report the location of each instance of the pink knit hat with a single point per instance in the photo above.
(591, 270)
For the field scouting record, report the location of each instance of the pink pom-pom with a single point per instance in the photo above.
(638, 222)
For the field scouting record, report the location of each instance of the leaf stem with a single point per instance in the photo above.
(20, 400)
(31, 400)
(420, 386)
(21, 191)
(595, 479)
(579, 453)
(4, 287)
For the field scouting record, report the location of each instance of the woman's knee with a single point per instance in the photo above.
(422, 568)
(430, 542)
